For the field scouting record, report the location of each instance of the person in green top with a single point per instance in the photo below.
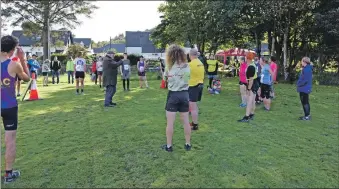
(70, 69)
(177, 74)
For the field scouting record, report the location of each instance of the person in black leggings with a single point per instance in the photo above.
(304, 87)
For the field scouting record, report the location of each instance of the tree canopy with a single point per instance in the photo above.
(38, 16)
(292, 29)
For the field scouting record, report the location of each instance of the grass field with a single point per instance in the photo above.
(69, 141)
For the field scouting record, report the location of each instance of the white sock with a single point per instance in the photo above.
(168, 146)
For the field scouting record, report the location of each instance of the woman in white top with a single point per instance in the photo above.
(99, 70)
(79, 67)
(45, 70)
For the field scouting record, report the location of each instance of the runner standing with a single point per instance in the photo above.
(9, 105)
(33, 65)
(274, 68)
(252, 88)
(266, 82)
(45, 71)
(125, 71)
(243, 82)
(70, 70)
(195, 86)
(79, 67)
(99, 70)
(212, 70)
(177, 73)
(142, 65)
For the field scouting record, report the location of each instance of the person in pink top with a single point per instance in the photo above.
(274, 68)
(243, 82)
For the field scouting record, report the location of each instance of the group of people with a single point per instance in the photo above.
(185, 85)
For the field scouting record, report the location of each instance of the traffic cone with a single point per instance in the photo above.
(163, 84)
(33, 95)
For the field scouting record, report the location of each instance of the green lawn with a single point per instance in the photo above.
(71, 141)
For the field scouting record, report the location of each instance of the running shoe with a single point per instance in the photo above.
(305, 118)
(188, 147)
(11, 177)
(251, 117)
(195, 127)
(110, 106)
(18, 95)
(113, 103)
(242, 105)
(266, 109)
(168, 149)
(245, 119)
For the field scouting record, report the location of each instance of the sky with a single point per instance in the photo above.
(115, 17)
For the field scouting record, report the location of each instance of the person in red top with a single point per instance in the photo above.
(274, 68)
(94, 70)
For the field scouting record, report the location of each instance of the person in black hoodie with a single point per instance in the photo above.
(55, 67)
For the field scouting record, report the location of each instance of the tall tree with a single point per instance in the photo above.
(47, 13)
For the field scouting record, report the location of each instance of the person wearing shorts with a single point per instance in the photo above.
(266, 82)
(177, 73)
(125, 71)
(79, 67)
(274, 68)
(45, 70)
(252, 88)
(99, 70)
(243, 82)
(212, 70)
(195, 86)
(9, 106)
(141, 65)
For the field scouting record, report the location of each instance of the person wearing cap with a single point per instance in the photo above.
(195, 86)
(33, 65)
(45, 70)
(252, 87)
(110, 75)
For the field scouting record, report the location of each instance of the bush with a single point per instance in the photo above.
(326, 78)
(134, 58)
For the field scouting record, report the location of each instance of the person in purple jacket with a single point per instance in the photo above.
(304, 86)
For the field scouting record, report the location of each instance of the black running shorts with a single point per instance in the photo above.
(79, 75)
(265, 91)
(177, 101)
(195, 93)
(10, 118)
(99, 72)
(44, 73)
(255, 86)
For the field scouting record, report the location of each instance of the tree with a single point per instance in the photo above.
(44, 14)
(75, 50)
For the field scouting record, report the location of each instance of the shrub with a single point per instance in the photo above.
(61, 57)
(134, 58)
(326, 78)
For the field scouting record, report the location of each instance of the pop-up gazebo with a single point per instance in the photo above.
(233, 52)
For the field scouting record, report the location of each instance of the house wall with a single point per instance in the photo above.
(39, 50)
(133, 50)
(153, 56)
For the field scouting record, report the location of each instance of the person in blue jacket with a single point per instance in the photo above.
(304, 87)
(33, 65)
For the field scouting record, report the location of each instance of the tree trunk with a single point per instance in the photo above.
(46, 32)
(285, 51)
(258, 43)
(269, 35)
(203, 45)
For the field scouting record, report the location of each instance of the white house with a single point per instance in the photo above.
(31, 44)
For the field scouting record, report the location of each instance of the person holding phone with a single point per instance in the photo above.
(10, 70)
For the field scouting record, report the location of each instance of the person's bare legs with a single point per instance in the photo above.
(243, 94)
(253, 103)
(77, 85)
(82, 85)
(184, 117)
(18, 87)
(250, 103)
(140, 81)
(267, 103)
(10, 141)
(145, 81)
(170, 125)
(99, 80)
(194, 112)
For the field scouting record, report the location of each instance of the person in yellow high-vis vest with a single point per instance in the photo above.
(212, 70)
